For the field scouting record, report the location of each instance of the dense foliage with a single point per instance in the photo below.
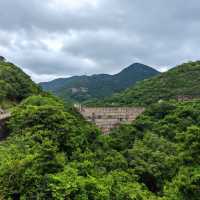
(180, 81)
(15, 85)
(52, 154)
(82, 88)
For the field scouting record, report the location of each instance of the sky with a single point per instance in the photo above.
(61, 38)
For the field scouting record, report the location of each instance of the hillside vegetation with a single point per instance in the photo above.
(183, 80)
(51, 154)
(83, 88)
(15, 85)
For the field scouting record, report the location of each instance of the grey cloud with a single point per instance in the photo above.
(53, 41)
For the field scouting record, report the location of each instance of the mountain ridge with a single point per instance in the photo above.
(180, 82)
(83, 88)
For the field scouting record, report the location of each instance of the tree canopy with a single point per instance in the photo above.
(15, 85)
(53, 154)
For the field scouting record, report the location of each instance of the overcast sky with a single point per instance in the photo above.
(59, 38)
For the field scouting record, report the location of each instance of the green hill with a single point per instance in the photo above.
(51, 154)
(15, 85)
(182, 81)
(83, 88)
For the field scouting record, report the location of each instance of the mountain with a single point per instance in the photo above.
(82, 88)
(181, 82)
(15, 85)
(51, 153)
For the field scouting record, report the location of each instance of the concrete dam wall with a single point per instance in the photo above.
(107, 118)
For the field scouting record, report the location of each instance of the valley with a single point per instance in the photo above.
(53, 150)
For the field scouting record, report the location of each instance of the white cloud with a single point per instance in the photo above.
(73, 5)
(53, 44)
(55, 38)
(40, 78)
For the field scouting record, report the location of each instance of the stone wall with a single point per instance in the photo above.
(107, 118)
(3, 131)
(4, 114)
(3, 117)
(187, 97)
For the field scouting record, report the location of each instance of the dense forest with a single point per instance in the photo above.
(15, 85)
(53, 153)
(183, 80)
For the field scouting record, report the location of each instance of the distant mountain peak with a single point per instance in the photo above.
(99, 85)
(138, 66)
(179, 83)
(137, 70)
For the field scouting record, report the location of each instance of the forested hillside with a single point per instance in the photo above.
(51, 154)
(82, 88)
(15, 85)
(181, 81)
